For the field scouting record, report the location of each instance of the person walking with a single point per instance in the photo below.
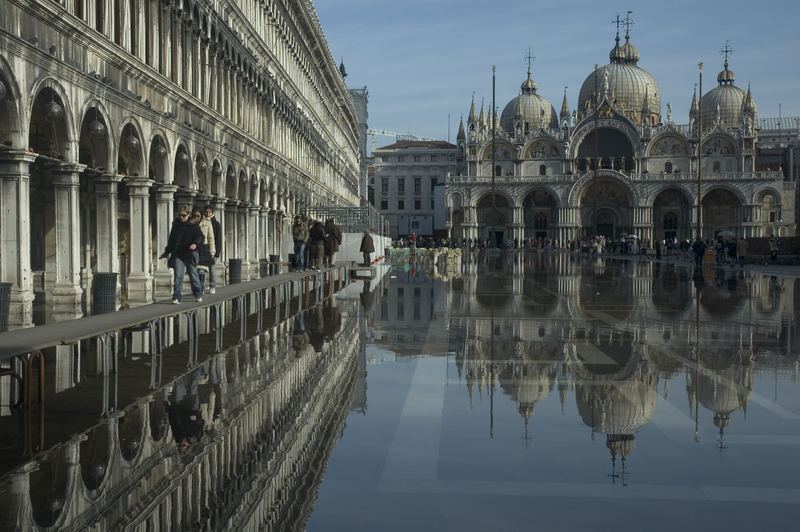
(367, 247)
(332, 242)
(699, 249)
(300, 237)
(773, 249)
(184, 240)
(217, 229)
(741, 251)
(207, 249)
(316, 237)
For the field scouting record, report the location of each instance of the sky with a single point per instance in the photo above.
(423, 59)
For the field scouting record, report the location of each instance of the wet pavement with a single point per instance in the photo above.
(530, 390)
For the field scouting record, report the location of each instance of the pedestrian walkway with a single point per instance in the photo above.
(23, 341)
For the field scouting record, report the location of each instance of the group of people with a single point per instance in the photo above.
(315, 243)
(193, 246)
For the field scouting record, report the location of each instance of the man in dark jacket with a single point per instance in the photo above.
(316, 237)
(184, 240)
(212, 274)
(332, 242)
(367, 247)
(699, 249)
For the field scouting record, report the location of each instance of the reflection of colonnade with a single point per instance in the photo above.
(147, 105)
(280, 412)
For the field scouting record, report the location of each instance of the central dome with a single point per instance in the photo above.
(532, 110)
(727, 99)
(628, 85)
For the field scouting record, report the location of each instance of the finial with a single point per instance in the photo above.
(618, 22)
(530, 57)
(726, 51)
(628, 24)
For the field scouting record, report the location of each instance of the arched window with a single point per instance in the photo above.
(542, 169)
(670, 225)
(540, 222)
(717, 167)
(498, 170)
(668, 168)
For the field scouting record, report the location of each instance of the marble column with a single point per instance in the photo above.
(263, 241)
(243, 230)
(272, 238)
(67, 291)
(254, 235)
(15, 235)
(105, 191)
(229, 229)
(218, 204)
(140, 280)
(162, 275)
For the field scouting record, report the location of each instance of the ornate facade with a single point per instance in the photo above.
(615, 165)
(114, 111)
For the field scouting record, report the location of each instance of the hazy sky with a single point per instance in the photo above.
(422, 59)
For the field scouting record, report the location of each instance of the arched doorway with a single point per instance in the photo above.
(722, 211)
(606, 208)
(539, 212)
(494, 219)
(672, 215)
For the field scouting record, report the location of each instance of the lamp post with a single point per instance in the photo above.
(699, 149)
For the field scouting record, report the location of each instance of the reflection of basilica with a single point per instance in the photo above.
(616, 165)
(273, 409)
(613, 333)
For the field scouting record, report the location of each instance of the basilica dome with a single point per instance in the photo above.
(628, 85)
(726, 97)
(532, 110)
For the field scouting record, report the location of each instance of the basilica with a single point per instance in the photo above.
(616, 166)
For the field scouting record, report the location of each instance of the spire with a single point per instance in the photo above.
(342, 70)
(694, 108)
(748, 106)
(518, 109)
(482, 116)
(461, 135)
(472, 118)
(646, 102)
(564, 114)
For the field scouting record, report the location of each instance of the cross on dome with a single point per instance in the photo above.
(628, 24)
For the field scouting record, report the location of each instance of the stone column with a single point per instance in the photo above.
(105, 190)
(162, 275)
(67, 290)
(254, 235)
(272, 238)
(263, 242)
(229, 229)
(243, 238)
(15, 235)
(140, 280)
(219, 214)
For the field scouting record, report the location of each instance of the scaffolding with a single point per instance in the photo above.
(352, 219)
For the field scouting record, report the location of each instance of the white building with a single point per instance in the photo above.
(406, 176)
(114, 111)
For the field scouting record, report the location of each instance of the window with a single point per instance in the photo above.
(401, 205)
(417, 205)
(384, 205)
(717, 167)
(384, 185)
(417, 186)
(434, 181)
(401, 186)
(415, 224)
(498, 170)
(542, 169)
(668, 168)
(433, 158)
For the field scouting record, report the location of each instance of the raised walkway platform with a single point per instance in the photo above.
(25, 341)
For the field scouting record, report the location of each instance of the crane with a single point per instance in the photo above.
(398, 136)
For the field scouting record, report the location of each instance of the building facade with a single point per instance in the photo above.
(406, 175)
(114, 111)
(361, 102)
(615, 165)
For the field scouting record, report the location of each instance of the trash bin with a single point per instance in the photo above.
(104, 292)
(234, 271)
(5, 304)
(275, 264)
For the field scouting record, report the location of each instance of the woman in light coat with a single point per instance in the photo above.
(208, 249)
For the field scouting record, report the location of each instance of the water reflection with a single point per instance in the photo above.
(236, 442)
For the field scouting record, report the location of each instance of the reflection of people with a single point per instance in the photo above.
(299, 335)
(366, 296)
(331, 318)
(183, 408)
(367, 248)
(184, 240)
(316, 328)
